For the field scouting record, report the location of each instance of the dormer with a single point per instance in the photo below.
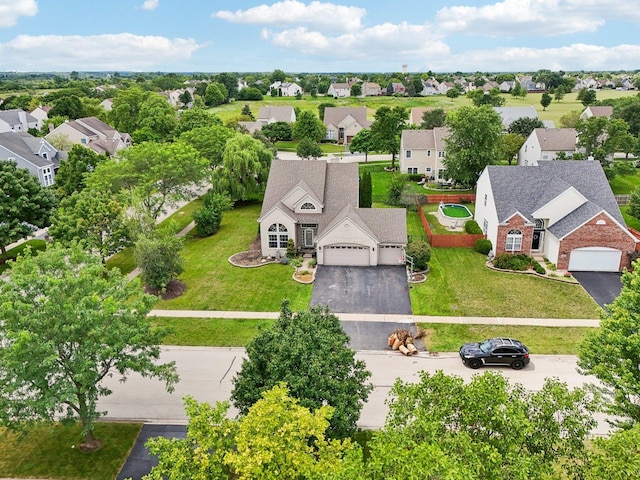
(560, 206)
(301, 195)
(307, 205)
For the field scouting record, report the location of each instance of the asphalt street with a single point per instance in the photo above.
(206, 374)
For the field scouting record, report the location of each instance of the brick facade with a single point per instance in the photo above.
(591, 234)
(515, 222)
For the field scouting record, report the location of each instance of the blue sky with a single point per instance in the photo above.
(319, 36)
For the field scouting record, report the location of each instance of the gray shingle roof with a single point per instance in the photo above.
(334, 115)
(12, 117)
(511, 114)
(601, 110)
(424, 139)
(26, 146)
(336, 186)
(278, 113)
(525, 189)
(556, 139)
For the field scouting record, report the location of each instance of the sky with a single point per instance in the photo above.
(319, 36)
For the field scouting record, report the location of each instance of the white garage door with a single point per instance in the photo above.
(390, 255)
(595, 259)
(346, 255)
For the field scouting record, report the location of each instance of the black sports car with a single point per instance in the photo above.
(495, 351)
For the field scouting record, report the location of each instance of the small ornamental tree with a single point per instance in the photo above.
(328, 375)
(420, 252)
(545, 100)
(158, 256)
(209, 217)
(77, 324)
(366, 189)
(634, 203)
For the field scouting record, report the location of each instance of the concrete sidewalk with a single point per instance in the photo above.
(369, 317)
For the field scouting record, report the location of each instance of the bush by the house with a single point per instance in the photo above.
(295, 262)
(209, 217)
(506, 261)
(471, 226)
(291, 248)
(420, 251)
(538, 268)
(483, 246)
(415, 177)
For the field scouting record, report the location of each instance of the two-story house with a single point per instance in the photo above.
(31, 153)
(94, 134)
(343, 123)
(423, 152)
(544, 144)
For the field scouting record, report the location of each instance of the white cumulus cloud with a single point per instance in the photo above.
(318, 15)
(123, 51)
(150, 4)
(11, 10)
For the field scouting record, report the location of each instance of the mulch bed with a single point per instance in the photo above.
(251, 258)
(174, 289)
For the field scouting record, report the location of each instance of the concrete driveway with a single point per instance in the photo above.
(381, 290)
(603, 287)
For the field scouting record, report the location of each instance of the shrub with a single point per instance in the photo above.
(471, 226)
(284, 260)
(304, 272)
(207, 221)
(295, 262)
(483, 245)
(415, 177)
(291, 248)
(506, 261)
(538, 268)
(312, 262)
(420, 251)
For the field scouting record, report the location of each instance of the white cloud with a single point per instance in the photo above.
(573, 57)
(378, 42)
(11, 10)
(123, 51)
(150, 4)
(516, 18)
(318, 15)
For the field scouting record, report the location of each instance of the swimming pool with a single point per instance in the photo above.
(453, 215)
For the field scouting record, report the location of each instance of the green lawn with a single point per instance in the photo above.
(50, 451)
(459, 284)
(444, 337)
(211, 332)
(624, 184)
(36, 246)
(327, 148)
(214, 284)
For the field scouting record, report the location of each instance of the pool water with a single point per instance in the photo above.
(453, 215)
(456, 211)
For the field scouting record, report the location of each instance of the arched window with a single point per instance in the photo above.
(539, 224)
(307, 206)
(514, 241)
(278, 236)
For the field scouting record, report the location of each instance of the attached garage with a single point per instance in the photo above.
(595, 259)
(390, 255)
(346, 255)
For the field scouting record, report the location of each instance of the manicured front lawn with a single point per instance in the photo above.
(211, 332)
(214, 284)
(443, 337)
(459, 284)
(632, 222)
(624, 184)
(50, 451)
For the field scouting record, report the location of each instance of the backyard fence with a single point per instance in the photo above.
(451, 198)
(623, 199)
(435, 240)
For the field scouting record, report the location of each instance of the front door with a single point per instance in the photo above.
(307, 238)
(536, 241)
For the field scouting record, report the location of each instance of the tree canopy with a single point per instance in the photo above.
(308, 126)
(307, 149)
(362, 142)
(433, 118)
(25, 205)
(523, 126)
(80, 162)
(473, 142)
(76, 324)
(386, 130)
(315, 363)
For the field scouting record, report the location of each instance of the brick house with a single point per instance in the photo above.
(562, 210)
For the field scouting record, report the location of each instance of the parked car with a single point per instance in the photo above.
(495, 351)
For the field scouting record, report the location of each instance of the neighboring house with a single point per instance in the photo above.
(93, 133)
(270, 114)
(315, 203)
(173, 97)
(546, 143)
(444, 87)
(398, 88)
(370, 89)
(429, 88)
(17, 120)
(597, 111)
(107, 104)
(416, 113)
(511, 114)
(423, 152)
(343, 123)
(487, 87)
(32, 153)
(339, 90)
(507, 86)
(561, 210)
(285, 89)
(41, 114)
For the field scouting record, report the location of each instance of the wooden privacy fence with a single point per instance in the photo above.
(435, 240)
(452, 198)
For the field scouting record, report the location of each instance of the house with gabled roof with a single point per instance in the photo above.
(370, 89)
(597, 111)
(315, 203)
(343, 123)
(339, 90)
(545, 144)
(272, 114)
(31, 153)
(94, 134)
(41, 113)
(511, 114)
(17, 120)
(423, 152)
(284, 89)
(562, 210)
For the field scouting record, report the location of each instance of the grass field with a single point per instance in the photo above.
(553, 112)
(36, 246)
(50, 451)
(459, 284)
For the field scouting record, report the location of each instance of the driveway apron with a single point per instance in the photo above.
(380, 290)
(603, 287)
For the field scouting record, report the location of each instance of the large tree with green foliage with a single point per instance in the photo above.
(80, 162)
(510, 144)
(493, 97)
(309, 352)
(386, 130)
(523, 126)
(277, 131)
(196, 118)
(615, 457)
(157, 254)
(473, 142)
(210, 141)
(362, 142)
(602, 137)
(435, 117)
(307, 149)
(308, 126)
(586, 97)
(245, 168)
(25, 205)
(444, 427)
(125, 111)
(611, 352)
(158, 120)
(77, 324)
